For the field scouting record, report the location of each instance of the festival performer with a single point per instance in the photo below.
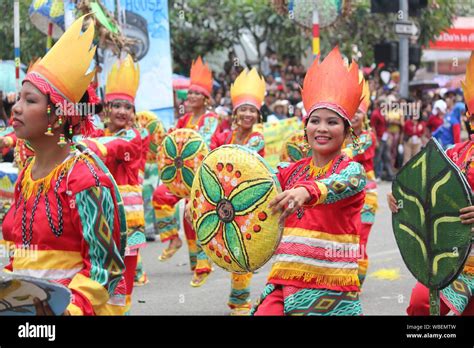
(205, 123)
(315, 266)
(457, 297)
(67, 209)
(363, 151)
(141, 277)
(121, 148)
(149, 120)
(247, 93)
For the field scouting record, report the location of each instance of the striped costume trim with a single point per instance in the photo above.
(50, 274)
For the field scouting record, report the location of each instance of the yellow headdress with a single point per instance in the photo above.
(61, 73)
(122, 81)
(468, 85)
(248, 88)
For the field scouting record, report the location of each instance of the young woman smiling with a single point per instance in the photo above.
(121, 148)
(205, 123)
(247, 93)
(315, 266)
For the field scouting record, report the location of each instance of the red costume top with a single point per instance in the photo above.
(206, 124)
(73, 227)
(320, 243)
(410, 128)
(122, 154)
(253, 141)
(462, 155)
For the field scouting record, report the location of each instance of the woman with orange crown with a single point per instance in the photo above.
(315, 265)
(456, 297)
(247, 93)
(121, 147)
(164, 202)
(67, 206)
(363, 151)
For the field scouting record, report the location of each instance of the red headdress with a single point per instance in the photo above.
(332, 85)
(201, 78)
(468, 85)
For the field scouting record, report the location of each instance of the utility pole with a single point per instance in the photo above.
(403, 51)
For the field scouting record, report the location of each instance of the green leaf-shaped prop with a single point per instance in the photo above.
(430, 190)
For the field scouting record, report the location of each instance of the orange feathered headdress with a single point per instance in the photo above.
(201, 78)
(332, 85)
(468, 85)
(365, 102)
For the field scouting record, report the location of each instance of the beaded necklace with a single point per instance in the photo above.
(65, 168)
(314, 173)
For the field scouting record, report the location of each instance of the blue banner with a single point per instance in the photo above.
(147, 22)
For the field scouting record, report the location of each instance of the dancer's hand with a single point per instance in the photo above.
(289, 201)
(467, 215)
(42, 307)
(392, 203)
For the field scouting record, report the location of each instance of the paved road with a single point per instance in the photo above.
(169, 292)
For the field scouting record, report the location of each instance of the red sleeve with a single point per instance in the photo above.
(215, 140)
(457, 133)
(181, 123)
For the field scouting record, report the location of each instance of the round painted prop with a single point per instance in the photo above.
(149, 120)
(430, 191)
(229, 208)
(179, 156)
(295, 147)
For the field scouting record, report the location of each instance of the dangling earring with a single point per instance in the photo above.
(260, 118)
(355, 139)
(49, 132)
(62, 138)
(305, 146)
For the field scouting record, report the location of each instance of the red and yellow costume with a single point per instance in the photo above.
(122, 153)
(163, 200)
(315, 266)
(364, 153)
(247, 89)
(457, 297)
(71, 221)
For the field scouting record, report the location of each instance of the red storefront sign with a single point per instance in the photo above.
(454, 39)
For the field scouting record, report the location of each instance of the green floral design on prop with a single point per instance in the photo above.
(178, 166)
(430, 191)
(294, 152)
(244, 199)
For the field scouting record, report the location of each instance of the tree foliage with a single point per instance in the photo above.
(32, 41)
(365, 29)
(203, 26)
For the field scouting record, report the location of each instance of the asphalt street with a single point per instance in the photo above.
(386, 290)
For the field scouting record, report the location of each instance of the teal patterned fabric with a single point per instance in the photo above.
(349, 182)
(323, 302)
(365, 142)
(256, 143)
(208, 129)
(239, 297)
(149, 184)
(96, 211)
(316, 302)
(458, 294)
